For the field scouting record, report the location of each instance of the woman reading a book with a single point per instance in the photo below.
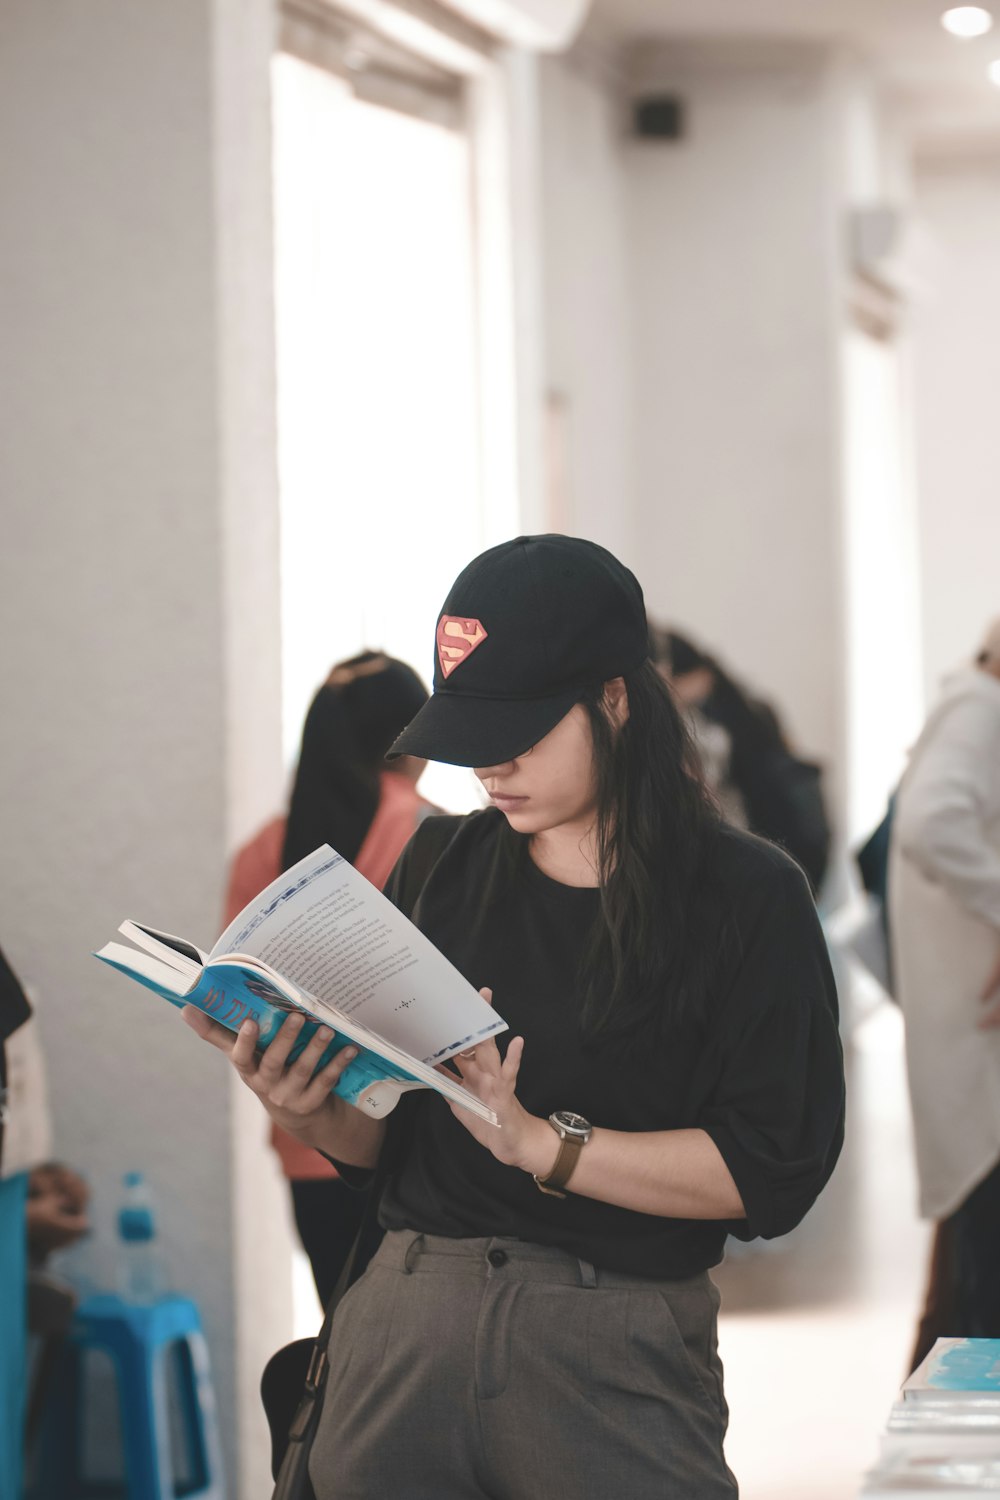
(540, 1318)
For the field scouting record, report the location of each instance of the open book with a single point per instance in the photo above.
(322, 940)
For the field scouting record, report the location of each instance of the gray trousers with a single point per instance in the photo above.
(464, 1369)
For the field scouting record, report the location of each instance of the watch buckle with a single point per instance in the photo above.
(552, 1192)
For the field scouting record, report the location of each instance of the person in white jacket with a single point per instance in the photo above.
(944, 901)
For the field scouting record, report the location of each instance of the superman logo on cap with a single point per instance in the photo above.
(457, 638)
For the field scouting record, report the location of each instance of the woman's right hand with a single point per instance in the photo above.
(295, 1096)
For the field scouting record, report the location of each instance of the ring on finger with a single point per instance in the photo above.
(468, 1055)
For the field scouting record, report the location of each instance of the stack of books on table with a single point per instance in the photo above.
(943, 1435)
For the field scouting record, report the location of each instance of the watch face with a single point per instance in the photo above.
(573, 1124)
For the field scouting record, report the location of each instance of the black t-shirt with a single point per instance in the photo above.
(763, 1075)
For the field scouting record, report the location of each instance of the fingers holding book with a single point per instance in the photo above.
(207, 1029)
(293, 1080)
(493, 1079)
(268, 1067)
(284, 1080)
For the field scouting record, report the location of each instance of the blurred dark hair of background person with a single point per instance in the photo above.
(345, 795)
(759, 782)
(353, 719)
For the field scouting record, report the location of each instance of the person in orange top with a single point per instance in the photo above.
(345, 795)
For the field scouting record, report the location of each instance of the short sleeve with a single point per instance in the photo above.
(777, 1114)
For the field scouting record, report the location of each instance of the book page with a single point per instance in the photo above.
(182, 956)
(328, 930)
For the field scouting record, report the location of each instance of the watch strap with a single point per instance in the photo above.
(569, 1154)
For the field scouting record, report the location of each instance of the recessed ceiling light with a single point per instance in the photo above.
(967, 20)
(994, 72)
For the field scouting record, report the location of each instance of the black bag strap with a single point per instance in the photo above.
(293, 1482)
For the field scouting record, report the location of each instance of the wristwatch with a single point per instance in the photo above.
(574, 1132)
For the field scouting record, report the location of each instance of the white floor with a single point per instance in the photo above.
(816, 1329)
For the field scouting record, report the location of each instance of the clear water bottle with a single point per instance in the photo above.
(140, 1280)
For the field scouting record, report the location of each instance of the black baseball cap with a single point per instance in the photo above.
(527, 628)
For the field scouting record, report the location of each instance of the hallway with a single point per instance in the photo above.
(816, 1329)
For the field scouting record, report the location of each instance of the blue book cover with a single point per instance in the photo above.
(957, 1367)
(232, 991)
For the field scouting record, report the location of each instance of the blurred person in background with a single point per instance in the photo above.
(944, 896)
(57, 1210)
(347, 796)
(749, 766)
(43, 1208)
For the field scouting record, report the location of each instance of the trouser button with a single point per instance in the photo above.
(497, 1258)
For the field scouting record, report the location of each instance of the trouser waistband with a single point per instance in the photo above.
(408, 1250)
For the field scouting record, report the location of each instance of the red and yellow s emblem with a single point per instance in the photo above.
(456, 641)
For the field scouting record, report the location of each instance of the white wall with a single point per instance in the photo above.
(734, 243)
(957, 367)
(695, 310)
(137, 470)
(588, 302)
(698, 325)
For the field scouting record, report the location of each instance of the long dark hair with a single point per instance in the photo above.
(353, 719)
(651, 953)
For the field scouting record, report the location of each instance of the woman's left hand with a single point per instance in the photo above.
(523, 1140)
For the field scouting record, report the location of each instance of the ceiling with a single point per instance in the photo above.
(938, 83)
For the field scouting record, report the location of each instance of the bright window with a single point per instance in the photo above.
(378, 411)
(883, 655)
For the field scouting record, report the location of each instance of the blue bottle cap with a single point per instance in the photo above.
(132, 1179)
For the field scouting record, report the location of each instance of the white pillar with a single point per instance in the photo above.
(138, 580)
(589, 306)
(957, 365)
(734, 235)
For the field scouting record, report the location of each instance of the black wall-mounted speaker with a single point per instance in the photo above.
(659, 117)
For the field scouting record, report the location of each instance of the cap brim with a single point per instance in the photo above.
(465, 731)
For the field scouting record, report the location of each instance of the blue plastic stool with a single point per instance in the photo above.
(138, 1340)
